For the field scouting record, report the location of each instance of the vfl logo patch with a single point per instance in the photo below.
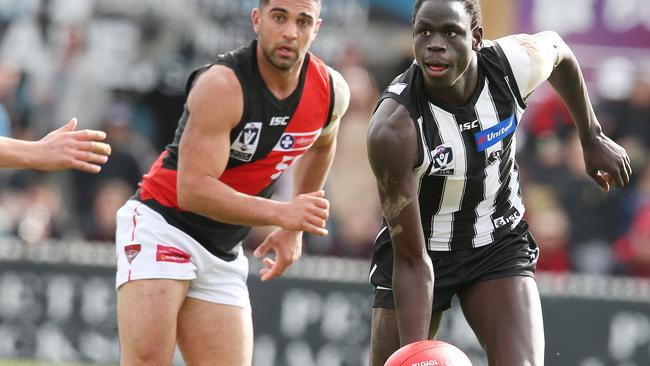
(443, 160)
(496, 133)
(512, 216)
(245, 145)
(132, 251)
(171, 254)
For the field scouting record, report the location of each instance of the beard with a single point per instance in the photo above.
(282, 63)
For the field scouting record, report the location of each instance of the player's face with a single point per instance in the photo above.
(286, 29)
(444, 42)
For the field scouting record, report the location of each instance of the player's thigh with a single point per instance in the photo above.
(506, 315)
(215, 334)
(147, 312)
(384, 334)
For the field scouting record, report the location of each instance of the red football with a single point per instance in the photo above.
(428, 353)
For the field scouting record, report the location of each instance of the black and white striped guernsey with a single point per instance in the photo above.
(468, 190)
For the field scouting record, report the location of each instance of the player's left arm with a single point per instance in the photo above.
(309, 175)
(312, 168)
(550, 58)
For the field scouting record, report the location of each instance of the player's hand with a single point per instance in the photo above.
(287, 246)
(306, 212)
(607, 162)
(66, 148)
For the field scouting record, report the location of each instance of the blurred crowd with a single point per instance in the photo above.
(579, 227)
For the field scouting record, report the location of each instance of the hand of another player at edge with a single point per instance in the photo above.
(287, 246)
(606, 162)
(66, 148)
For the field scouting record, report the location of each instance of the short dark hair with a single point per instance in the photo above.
(264, 3)
(473, 7)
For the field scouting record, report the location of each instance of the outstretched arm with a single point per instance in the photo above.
(545, 55)
(393, 155)
(309, 175)
(63, 148)
(606, 161)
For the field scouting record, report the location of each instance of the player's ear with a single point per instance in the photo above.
(256, 19)
(317, 27)
(477, 38)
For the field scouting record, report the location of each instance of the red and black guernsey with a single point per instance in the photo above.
(271, 135)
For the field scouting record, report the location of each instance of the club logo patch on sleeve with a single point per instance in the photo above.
(245, 145)
(443, 160)
(171, 254)
(496, 133)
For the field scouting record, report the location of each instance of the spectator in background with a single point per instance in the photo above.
(129, 156)
(355, 216)
(110, 195)
(632, 250)
(551, 229)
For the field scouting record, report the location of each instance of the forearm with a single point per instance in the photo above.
(413, 293)
(17, 153)
(569, 83)
(214, 199)
(310, 171)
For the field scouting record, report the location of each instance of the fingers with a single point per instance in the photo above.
(598, 177)
(70, 126)
(90, 157)
(95, 146)
(314, 230)
(275, 269)
(90, 135)
(85, 166)
(263, 248)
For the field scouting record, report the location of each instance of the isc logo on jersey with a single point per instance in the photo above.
(468, 125)
(279, 121)
(443, 160)
(245, 145)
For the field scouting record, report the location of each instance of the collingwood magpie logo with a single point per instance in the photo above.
(443, 160)
(245, 145)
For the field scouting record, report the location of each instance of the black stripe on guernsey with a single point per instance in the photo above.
(510, 76)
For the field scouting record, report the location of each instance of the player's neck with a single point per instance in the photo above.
(281, 83)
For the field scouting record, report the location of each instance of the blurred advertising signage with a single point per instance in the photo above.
(620, 23)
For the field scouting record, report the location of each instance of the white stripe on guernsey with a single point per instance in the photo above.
(454, 188)
(384, 288)
(426, 157)
(487, 117)
(514, 199)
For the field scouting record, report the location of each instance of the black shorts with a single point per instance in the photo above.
(515, 255)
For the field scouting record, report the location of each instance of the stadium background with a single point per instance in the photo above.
(121, 66)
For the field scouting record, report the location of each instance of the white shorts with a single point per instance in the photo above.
(148, 248)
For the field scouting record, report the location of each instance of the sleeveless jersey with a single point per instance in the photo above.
(468, 188)
(270, 136)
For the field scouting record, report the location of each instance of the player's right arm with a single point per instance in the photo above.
(215, 105)
(63, 148)
(393, 154)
